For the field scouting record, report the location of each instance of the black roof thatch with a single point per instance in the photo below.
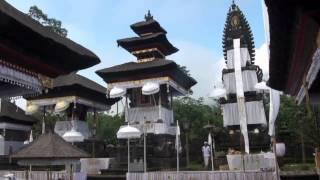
(49, 146)
(237, 26)
(11, 113)
(150, 69)
(148, 26)
(73, 79)
(77, 85)
(149, 41)
(39, 46)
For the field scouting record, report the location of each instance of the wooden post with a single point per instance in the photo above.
(94, 134)
(187, 148)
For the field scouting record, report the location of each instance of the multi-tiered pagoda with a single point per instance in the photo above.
(148, 86)
(237, 27)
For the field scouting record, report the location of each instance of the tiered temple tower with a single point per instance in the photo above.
(149, 85)
(237, 27)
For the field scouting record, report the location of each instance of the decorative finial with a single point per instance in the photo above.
(233, 6)
(148, 16)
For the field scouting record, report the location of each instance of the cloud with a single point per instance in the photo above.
(262, 60)
(204, 65)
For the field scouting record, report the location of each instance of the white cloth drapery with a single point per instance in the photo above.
(254, 109)
(274, 109)
(141, 114)
(245, 57)
(249, 78)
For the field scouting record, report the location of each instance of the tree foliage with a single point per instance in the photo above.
(107, 126)
(295, 119)
(197, 114)
(51, 23)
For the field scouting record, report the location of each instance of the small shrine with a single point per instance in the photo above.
(75, 96)
(48, 152)
(147, 87)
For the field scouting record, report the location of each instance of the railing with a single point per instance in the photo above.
(203, 175)
(139, 115)
(36, 175)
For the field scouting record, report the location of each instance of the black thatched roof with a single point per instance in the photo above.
(158, 40)
(25, 42)
(237, 26)
(73, 79)
(50, 146)
(293, 26)
(11, 113)
(76, 85)
(150, 69)
(148, 26)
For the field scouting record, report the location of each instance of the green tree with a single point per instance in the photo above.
(197, 114)
(107, 126)
(296, 127)
(51, 23)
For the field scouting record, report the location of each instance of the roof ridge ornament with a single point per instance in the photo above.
(148, 16)
(233, 7)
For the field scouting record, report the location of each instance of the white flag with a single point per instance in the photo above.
(209, 139)
(30, 137)
(177, 145)
(274, 109)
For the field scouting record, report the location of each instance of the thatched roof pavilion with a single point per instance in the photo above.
(49, 149)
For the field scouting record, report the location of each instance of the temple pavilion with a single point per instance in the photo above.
(75, 96)
(31, 54)
(147, 87)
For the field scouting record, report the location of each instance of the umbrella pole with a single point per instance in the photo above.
(145, 149)
(211, 145)
(128, 155)
(30, 172)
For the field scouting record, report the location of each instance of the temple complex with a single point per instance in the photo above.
(148, 86)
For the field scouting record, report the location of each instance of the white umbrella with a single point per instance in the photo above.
(117, 92)
(150, 88)
(32, 108)
(218, 93)
(61, 106)
(128, 132)
(261, 86)
(73, 136)
(30, 137)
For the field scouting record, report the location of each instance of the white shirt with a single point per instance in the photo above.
(206, 151)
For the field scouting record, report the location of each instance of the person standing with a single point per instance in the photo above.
(206, 154)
